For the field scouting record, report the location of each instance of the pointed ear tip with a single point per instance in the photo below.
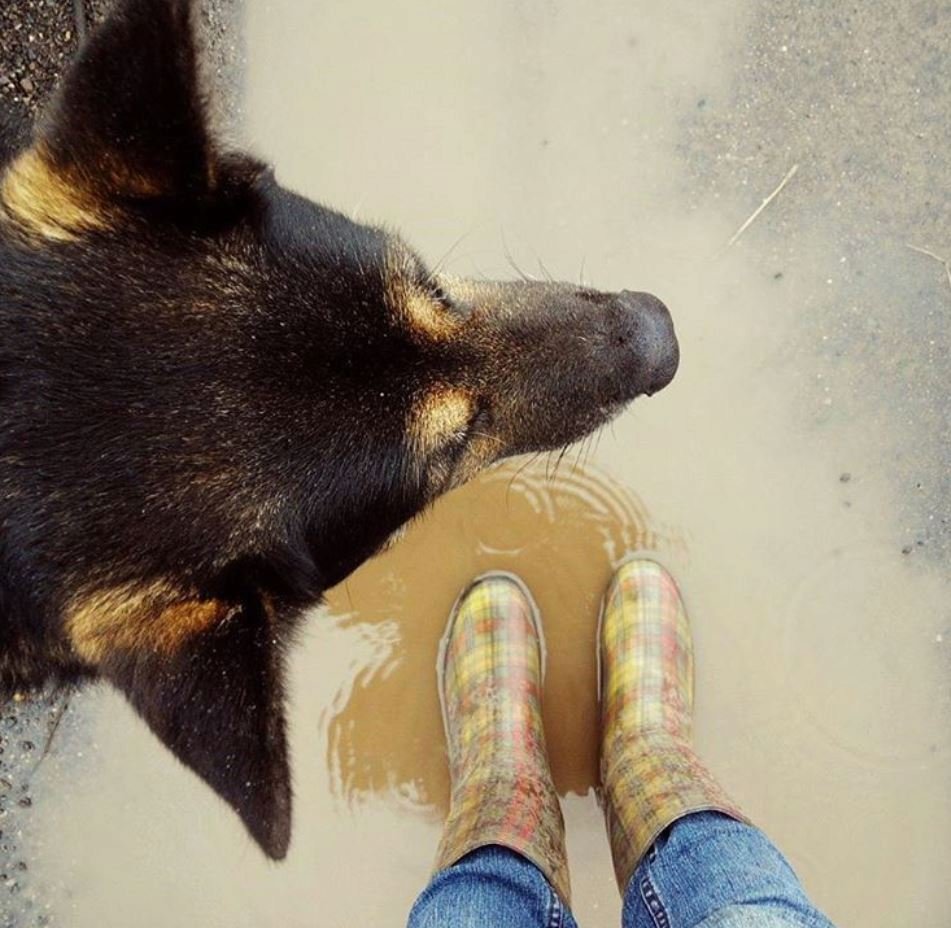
(278, 852)
(274, 838)
(269, 819)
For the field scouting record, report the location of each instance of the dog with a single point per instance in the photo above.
(218, 398)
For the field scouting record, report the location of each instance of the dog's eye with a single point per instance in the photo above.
(477, 427)
(439, 295)
(480, 421)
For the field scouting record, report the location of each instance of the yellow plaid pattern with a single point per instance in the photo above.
(650, 774)
(502, 792)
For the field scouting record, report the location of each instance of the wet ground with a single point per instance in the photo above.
(794, 476)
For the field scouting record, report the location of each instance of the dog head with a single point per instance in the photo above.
(219, 398)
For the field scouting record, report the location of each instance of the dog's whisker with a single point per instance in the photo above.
(518, 270)
(508, 257)
(584, 453)
(440, 264)
(596, 443)
(493, 438)
(521, 469)
(528, 463)
(544, 270)
(597, 440)
(561, 457)
(355, 212)
(576, 458)
(60, 712)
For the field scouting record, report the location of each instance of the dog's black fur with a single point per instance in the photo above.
(217, 399)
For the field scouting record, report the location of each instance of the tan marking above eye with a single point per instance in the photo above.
(439, 416)
(45, 203)
(151, 617)
(414, 303)
(426, 314)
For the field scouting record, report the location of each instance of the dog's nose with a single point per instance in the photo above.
(651, 336)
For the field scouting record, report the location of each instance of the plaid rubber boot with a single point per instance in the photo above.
(502, 791)
(650, 774)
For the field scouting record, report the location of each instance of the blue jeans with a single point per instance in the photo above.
(705, 871)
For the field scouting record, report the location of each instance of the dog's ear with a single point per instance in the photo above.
(14, 131)
(215, 698)
(127, 128)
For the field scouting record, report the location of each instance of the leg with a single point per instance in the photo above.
(491, 886)
(501, 860)
(711, 871)
(684, 855)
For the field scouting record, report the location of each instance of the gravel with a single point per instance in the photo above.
(41, 36)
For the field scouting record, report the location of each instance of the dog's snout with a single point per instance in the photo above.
(649, 332)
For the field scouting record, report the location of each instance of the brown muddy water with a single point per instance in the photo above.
(765, 476)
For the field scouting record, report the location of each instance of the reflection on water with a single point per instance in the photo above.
(563, 533)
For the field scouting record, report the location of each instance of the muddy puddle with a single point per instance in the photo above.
(562, 531)
(766, 477)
